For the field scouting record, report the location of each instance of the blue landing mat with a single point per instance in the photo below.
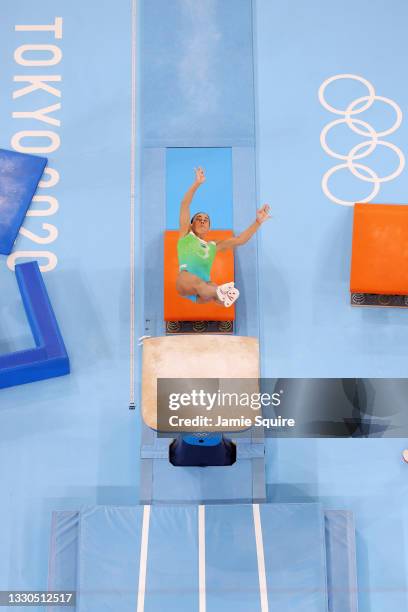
(19, 177)
(304, 547)
(49, 359)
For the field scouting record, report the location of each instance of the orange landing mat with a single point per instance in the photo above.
(379, 262)
(177, 308)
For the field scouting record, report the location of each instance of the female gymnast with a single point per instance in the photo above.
(196, 255)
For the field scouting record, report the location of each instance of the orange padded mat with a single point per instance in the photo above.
(379, 262)
(177, 308)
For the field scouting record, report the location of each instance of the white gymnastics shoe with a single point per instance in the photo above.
(227, 294)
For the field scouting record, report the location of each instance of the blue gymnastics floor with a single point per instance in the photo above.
(72, 442)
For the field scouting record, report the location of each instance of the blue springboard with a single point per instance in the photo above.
(49, 358)
(19, 177)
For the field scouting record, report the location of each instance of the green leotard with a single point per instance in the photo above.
(196, 256)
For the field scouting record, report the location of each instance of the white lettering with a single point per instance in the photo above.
(52, 181)
(56, 27)
(43, 212)
(37, 82)
(54, 51)
(52, 234)
(39, 141)
(51, 259)
(52, 137)
(41, 115)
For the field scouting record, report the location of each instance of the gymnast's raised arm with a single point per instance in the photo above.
(262, 215)
(188, 198)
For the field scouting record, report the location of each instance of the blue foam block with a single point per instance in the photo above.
(19, 177)
(49, 358)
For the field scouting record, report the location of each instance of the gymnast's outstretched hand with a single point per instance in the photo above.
(262, 214)
(200, 175)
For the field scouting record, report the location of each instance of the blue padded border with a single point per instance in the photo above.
(62, 566)
(19, 177)
(246, 202)
(341, 561)
(49, 358)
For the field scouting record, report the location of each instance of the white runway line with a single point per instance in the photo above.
(132, 207)
(143, 559)
(201, 559)
(263, 590)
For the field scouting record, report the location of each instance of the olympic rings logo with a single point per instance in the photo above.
(358, 126)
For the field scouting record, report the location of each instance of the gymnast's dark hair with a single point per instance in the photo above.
(200, 213)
